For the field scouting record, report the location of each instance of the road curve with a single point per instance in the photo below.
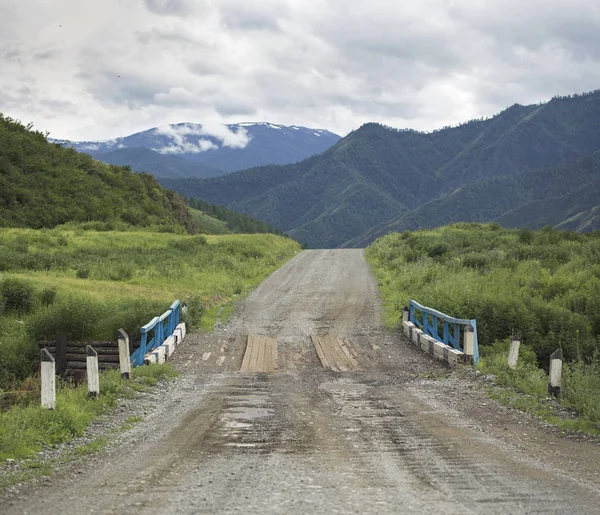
(402, 435)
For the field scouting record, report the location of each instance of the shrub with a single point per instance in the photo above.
(17, 295)
(437, 250)
(581, 389)
(47, 296)
(83, 273)
(122, 272)
(77, 317)
(525, 236)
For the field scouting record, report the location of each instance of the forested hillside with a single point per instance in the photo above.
(43, 185)
(212, 219)
(159, 165)
(500, 199)
(379, 179)
(578, 211)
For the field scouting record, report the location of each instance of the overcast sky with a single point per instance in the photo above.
(90, 69)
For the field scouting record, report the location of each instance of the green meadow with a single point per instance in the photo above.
(90, 283)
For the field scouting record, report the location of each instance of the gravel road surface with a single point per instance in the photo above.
(402, 435)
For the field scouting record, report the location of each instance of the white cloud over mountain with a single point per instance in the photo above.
(182, 138)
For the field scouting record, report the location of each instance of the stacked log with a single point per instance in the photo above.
(75, 355)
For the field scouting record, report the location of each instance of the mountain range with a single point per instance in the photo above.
(204, 150)
(514, 167)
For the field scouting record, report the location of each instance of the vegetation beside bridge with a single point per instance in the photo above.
(544, 284)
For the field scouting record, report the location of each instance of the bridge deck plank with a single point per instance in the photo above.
(260, 355)
(334, 353)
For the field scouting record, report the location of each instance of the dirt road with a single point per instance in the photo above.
(402, 435)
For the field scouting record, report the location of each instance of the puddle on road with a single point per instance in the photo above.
(247, 413)
(344, 389)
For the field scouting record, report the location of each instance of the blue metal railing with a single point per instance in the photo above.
(160, 328)
(430, 321)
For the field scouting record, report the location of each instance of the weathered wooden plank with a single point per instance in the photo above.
(268, 363)
(254, 354)
(338, 353)
(344, 354)
(320, 353)
(247, 352)
(260, 341)
(82, 365)
(346, 347)
(274, 355)
(260, 355)
(103, 358)
(328, 352)
(62, 341)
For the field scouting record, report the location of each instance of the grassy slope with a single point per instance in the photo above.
(376, 173)
(545, 284)
(207, 224)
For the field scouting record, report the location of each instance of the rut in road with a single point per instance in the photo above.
(381, 439)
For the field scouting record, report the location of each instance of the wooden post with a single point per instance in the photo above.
(48, 380)
(92, 372)
(405, 314)
(513, 355)
(555, 373)
(124, 356)
(62, 340)
(469, 342)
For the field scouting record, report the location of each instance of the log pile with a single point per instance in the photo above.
(71, 356)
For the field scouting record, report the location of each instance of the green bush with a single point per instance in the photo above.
(83, 273)
(47, 296)
(581, 389)
(83, 319)
(18, 295)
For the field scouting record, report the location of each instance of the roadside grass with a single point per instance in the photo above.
(90, 283)
(544, 284)
(24, 431)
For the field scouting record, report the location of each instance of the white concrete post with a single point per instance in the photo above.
(555, 373)
(48, 371)
(469, 342)
(513, 355)
(405, 315)
(93, 376)
(124, 357)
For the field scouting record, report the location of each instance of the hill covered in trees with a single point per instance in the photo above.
(43, 185)
(379, 179)
(212, 219)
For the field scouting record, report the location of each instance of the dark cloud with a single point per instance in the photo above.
(170, 7)
(46, 55)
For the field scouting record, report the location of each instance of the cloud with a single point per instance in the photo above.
(183, 138)
(125, 66)
(227, 137)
